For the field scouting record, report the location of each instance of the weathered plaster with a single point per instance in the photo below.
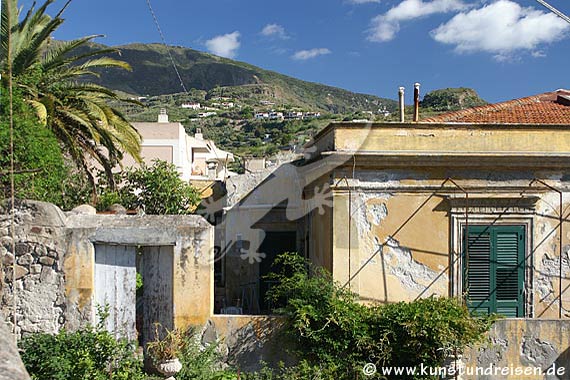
(522, 343)
(247, 342)
(56, 261)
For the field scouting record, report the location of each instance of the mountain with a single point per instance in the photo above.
(153, 75)
(452, 99)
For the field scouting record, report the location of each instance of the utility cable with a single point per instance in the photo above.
(166, 45)
(555, 11)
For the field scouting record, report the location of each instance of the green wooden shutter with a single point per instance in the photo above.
(509, 270)
(494, 269)
(478, 273)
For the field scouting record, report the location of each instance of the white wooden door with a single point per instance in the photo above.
(115, 286)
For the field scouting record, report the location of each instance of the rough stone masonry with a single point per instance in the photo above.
(37, 276)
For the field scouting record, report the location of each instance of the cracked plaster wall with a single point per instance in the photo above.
(522, 343)
(393, 265)
(414, 259)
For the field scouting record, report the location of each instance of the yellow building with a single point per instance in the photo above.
(405, 196)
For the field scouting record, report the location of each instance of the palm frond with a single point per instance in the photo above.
(51, 78)
(40, 110)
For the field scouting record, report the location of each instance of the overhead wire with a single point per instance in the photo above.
(155, 18)
(554, 10)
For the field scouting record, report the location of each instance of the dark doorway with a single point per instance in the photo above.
(273, 245)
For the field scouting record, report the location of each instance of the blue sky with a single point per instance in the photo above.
(504, 49)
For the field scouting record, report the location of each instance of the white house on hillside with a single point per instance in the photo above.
(195, 157)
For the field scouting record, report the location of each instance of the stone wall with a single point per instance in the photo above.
(39, 278)
(55, 257)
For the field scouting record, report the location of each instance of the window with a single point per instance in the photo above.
(493, 267)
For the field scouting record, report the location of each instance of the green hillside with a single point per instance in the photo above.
(153, 75)
(452, 99)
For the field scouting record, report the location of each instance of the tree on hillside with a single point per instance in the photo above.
(52, 79)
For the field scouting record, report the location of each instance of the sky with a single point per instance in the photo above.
(504, 49)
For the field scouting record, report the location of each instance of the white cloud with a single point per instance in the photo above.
(502, 28)
(303, 55)
(385, 26)
(274, 30)
(225, 45)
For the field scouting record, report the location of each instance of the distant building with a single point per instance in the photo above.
(262, 115)
(195, 157)
(192, 106)
(311, 115)
(293, 115)
(276, 115)
(206, 114)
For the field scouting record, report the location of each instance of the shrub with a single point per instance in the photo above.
(336, 335)
(202, 362)
(42, 172)
(156, 189)
(88, 354)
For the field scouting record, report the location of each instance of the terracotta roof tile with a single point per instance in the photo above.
(548, 108)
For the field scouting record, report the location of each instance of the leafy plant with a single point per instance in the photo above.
(41, 170)
(87, 354)
(336, 335)
(199, 362)
(157, 189)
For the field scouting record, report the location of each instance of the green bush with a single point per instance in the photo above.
(88, 354)
(156, 189)
(202, 363)
(336, 335)
(41, 171)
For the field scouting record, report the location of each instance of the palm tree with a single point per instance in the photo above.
(51, 76)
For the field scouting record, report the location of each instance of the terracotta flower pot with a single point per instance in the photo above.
(170, 367)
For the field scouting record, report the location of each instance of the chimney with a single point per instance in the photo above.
(401, 98)
(163, 116)
(416, 102)
(198, 135)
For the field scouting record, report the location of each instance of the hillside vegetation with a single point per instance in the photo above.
(452, 99)
(153, 74)
(232, 97)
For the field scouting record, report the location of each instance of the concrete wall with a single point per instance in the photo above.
(248, 341)
(528, 344)
(55, 263)
(40, 247)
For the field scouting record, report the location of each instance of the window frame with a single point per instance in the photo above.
(492, 304)
(456, 259)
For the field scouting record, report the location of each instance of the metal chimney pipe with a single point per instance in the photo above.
(416, 102)
(401, 103)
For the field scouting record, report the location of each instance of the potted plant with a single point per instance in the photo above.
(166, 348)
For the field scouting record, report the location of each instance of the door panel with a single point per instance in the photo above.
(115, 286)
